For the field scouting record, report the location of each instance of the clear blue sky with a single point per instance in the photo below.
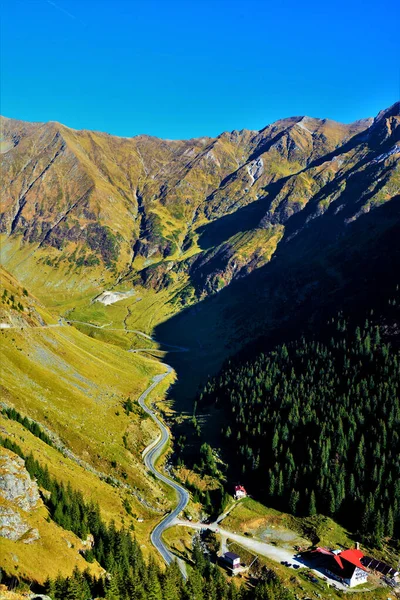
(183, 68)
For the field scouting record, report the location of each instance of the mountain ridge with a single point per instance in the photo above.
(84, 212)
(296, 118)
(203, 151)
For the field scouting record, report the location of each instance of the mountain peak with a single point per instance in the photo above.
(392, 111)
(385, 128)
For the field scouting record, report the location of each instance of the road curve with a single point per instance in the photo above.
(150, 456)
(153, 450)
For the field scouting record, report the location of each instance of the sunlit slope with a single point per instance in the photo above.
(57, 286)
(82, 208)
(76, 386)
(45, 549)
(18, 307)
(191, 226)
(57, 550)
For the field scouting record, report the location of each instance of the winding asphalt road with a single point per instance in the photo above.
(154, 450)
(150, 456)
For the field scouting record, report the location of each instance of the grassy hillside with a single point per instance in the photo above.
(56, 550)
(76, 388)
(239, 233)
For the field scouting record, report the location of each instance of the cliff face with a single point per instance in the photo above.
(16, 484)
(17, 493)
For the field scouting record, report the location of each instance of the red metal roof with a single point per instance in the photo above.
(239, 488)
(352, 556)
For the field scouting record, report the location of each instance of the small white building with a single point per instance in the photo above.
(240, 492)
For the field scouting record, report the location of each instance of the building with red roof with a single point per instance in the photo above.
(240, 492)
(345, 566)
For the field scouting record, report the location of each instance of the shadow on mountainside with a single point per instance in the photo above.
(326, 267)
(243, 219)
(248, 217)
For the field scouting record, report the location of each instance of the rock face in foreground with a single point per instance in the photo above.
(13, 527)
(17, 491)
(15, 482)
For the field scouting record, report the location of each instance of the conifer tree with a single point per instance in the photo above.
(312, 508)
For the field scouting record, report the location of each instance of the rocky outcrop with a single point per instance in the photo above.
(15, 482)
(14, 527)
(17, 492)
(256, 169)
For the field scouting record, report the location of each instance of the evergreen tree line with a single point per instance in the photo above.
(134, 579)
(31, 426)
(129, 576)
(314, 427)
(66, 506)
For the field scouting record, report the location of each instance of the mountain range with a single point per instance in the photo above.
(131, 203)
(191, 251)
(240, 233)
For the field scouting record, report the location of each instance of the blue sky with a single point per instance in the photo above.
(184, 68)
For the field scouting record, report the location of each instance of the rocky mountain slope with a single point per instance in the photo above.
(91, 199)
(210, 244)
(30, 541)
(271, 217)
(16, 487)
(71, 401)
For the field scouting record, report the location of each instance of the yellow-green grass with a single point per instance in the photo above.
(261, 241)
(154, 308)
(5, 146)
(250, 516)
(126, 341)
(142, 311)
(202, 482)
(175, 230)
(6, 594)
(54, 287)
(179, 540)
(70, 291)
(246, 556)
(76, 386)
(24, 309)
(109, 497)
(65, 469)
(51, 553)
(56, 551)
